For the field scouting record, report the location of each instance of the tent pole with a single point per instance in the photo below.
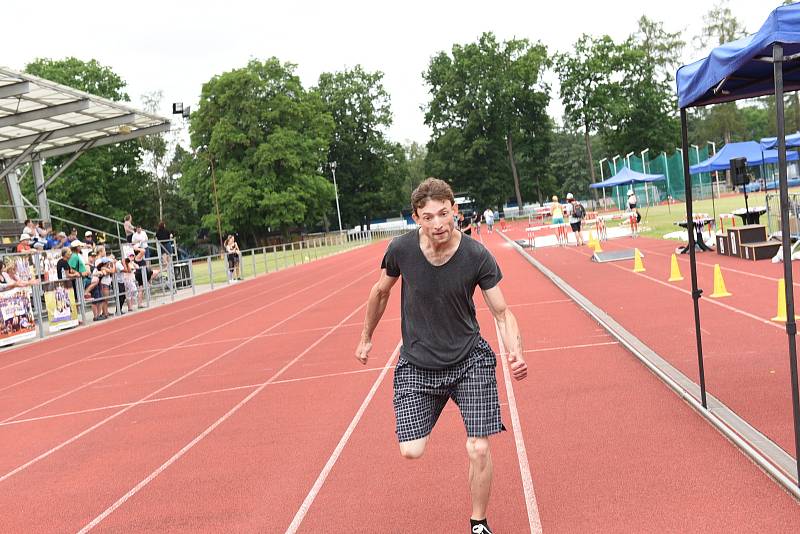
(687, 181)
(791, 325)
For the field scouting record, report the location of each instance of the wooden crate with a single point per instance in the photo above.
(723, 244)
(741, 235)
(760, 251)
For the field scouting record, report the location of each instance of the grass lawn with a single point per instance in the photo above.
(269, 262)
(660, 220)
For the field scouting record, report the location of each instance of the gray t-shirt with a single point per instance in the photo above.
(438, 314)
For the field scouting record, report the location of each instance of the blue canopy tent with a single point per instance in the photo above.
(626, 176)
(751, 150)
(792, 141)
(765, 63)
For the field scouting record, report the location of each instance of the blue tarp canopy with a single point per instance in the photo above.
(625, 176)
(751, 150)
(738, 70)
(792, 140)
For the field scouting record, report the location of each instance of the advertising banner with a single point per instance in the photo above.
(61, 307)
(17, 314)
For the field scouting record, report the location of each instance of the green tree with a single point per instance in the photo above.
(415, 155)
(367, 163)
(106, 180)
(265, 139)
(588, 87)
(720, 26)
(488, 115)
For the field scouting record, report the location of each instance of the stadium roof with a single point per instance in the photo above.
(41, 117)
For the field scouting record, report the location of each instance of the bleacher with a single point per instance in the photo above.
(9, 235)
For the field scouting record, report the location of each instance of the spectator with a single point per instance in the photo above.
(139, 239)
(8, 276)
(76, 262)
(88, 240)
(58, 241)
(465, 224)
(130, 289)
(43, 230)
(143, 272)
(24, 243)
(164, 240)
(64, 270)
(73, 235)
(127, 225)
(232, 250)
(30, 228)
(107, 267)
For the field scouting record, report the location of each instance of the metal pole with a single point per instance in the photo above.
(336, 190)
(666, 172)
(696, 293)
(644, 169)
(264, 254)
(36, 293)
(191, 275)
(791, 325)
(253, 257)
(210, 273)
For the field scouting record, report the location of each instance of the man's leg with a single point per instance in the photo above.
(412, 450)
(480, 475)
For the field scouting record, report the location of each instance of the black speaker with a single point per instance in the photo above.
(739, 171)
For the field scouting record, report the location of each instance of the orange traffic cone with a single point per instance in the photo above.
(638, 267)
(781, 317)
(719, 284)
(674, 270)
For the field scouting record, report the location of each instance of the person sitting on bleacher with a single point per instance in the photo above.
(24, 243)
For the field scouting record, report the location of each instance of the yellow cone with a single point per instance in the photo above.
(781, 317)
(675, 271)
(638, 267)
(719, 284)
(591, 238)
(596, 246)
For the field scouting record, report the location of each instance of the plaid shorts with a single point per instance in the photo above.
(421, 394)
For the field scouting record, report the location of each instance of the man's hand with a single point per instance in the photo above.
(362, 351)
(519, 369)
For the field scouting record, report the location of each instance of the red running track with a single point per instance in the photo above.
(244, 410)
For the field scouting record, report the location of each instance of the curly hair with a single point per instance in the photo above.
(431, 189)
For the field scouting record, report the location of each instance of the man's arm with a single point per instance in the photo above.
(376, 305)
(509, 331)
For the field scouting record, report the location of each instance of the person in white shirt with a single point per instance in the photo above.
(488, 216)
(632, 200)
(139, 239)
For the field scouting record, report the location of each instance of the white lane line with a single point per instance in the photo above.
(178, 345)
(135, 339)
(534, 521)
(159, 390)
(271, 334)
(312, 494)
(567, 347)
(212, 297)
(187, 395)
(119, 502)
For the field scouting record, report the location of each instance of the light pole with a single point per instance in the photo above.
(602, 179)
(628, 158)
(716, 179)
(336, 190)
(616, 188)
(644, 168)
(697, 157)
(714, 153)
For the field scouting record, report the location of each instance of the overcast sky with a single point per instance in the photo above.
(177, 46)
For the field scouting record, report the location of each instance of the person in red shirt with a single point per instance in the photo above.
(24, 243)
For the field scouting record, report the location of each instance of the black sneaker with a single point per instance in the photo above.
(481, 528)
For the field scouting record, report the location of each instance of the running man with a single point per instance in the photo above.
(488, 216)
(443, 354)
